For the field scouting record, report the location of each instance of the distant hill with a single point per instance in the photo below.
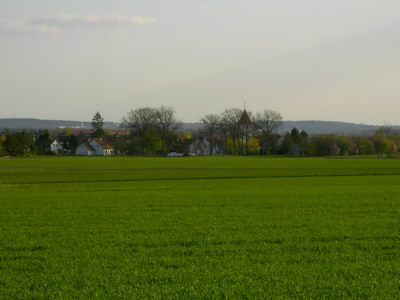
(191, 126)
(311, 127)
(25, 123)
(315, 127)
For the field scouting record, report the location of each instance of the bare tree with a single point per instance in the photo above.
(140, 121)
(230, 120)
(268, 122)
(211, 123)
(166, 122)
(224, 130)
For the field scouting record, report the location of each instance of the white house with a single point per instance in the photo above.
(95, 146)
(56, 147)
(101, 147)
(84, 149)
(201, 147)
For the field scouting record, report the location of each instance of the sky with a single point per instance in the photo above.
(307, 59)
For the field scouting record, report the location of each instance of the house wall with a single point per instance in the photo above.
(110, 152)
(56, 147)
(81, 150)
(200, 147)
(98, 150)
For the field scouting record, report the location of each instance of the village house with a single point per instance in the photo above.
(201, 147)
(84, 149)
(56, 147)
(98, 147)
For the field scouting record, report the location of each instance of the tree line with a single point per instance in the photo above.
(35, 142)
(157, 131)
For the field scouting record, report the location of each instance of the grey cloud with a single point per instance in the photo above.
(51, 24)
(21, 27)
(64, 19)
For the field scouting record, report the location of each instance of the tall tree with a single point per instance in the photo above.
(230, 122)
(18, 143)
(363, 145)
(140, 121)
(2, 139)
(268, 122)
(211, 123)
(245, 130)
(166, 123)
(97, 125)
(296, 137)
(43, 141)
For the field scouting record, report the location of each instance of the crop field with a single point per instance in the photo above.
(199, 227)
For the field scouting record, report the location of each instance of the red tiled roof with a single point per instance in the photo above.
(103, 143)
(120, 131)
(78, 131)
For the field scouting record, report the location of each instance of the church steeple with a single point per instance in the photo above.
(245, 124)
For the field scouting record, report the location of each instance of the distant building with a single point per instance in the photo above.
(84, 149)
(98, 147)
(101, 147)
(56, 147)
(88, 132)
(201, 146)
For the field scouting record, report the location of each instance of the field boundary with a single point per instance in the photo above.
(194, 178)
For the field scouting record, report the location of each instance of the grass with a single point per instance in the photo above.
(200, 227)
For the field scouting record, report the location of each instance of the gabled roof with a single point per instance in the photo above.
(78, 131)
(103, 143)
(88, 147)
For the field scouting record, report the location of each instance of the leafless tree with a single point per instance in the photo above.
(230, 122)
(268, 122)
(166, 123)
(140, 121)
(211, 123)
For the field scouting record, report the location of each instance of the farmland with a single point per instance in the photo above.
(199, 227)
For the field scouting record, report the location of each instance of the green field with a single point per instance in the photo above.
(199, 227)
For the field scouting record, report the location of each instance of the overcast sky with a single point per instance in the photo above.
(310, 60)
